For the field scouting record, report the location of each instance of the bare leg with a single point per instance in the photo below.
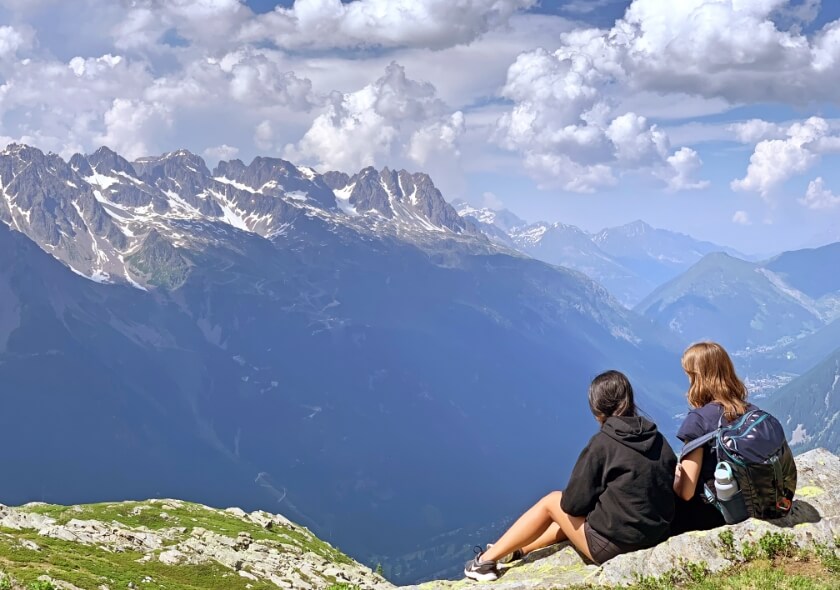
(535, 524)
(552, 535)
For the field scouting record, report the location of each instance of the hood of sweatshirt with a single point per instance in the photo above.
(635, 432)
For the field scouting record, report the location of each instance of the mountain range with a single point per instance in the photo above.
(809, 407)
(758, 310)
(630, 260)
(344, 348)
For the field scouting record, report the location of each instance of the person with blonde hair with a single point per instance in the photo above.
(720, 414)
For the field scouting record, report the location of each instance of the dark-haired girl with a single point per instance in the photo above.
(620, 495)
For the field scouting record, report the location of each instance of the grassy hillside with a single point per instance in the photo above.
(165, 544)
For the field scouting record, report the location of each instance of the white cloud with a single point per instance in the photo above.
(437, 138)
(722, 48)
(570, 132)
(211, 23)
(434, 24)
(134, 128)
(260, 77)
(264, 135)
(776, 160)
(714, 50)
(221, 152)
(741, 218)
(684, 165)
(819, 197)
(756, 130)
(13, 39)
(393, 117)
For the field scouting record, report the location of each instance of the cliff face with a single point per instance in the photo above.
(814, 522)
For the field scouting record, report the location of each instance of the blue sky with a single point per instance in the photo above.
(718, 118)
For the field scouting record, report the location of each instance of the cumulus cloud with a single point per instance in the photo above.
(264, 135)
(721, 48)
(819, 197)
(756, 130)
(776, 160)
(13, 39)
(569, 132)
(207, 22)
(683, 167)
(568, 103)
(434, 24)
(260, 77)
(437, 138)
(393, 117)
(221, 152)
(133, 128)
(741, 218)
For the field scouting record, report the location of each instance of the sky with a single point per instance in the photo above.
(717, 118)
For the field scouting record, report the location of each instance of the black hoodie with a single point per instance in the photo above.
(623, 483)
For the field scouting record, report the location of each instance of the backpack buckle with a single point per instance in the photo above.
(784, 504)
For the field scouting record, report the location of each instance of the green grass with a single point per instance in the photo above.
(190, 516)
(89, 567)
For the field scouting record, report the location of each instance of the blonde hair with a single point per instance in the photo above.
(712, 378)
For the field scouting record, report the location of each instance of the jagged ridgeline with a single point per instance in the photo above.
(343, 349)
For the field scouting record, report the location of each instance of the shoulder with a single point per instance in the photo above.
(700, 421)
(596, 446)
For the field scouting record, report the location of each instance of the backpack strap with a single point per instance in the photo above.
(695, 444)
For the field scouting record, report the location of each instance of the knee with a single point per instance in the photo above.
(552, 499)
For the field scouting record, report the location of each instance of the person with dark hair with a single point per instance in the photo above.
(620, 494)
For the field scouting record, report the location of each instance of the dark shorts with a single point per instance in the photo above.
(601, 548)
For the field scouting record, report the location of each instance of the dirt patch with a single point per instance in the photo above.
(807, 567)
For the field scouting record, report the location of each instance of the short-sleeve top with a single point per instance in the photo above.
(698, 422)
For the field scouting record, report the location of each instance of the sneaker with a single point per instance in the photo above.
(483, 571)
(515, 556)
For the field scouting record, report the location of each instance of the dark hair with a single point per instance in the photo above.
(610, 394)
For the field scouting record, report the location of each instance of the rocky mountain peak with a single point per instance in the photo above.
(105, 161)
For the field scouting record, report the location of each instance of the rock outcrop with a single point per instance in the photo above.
(108, 545)
(813, 521)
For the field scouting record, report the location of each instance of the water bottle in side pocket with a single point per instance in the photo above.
(729, 496)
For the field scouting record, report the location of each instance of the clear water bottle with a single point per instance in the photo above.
(729, 495)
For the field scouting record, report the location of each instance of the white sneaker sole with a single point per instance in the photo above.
(481, 577)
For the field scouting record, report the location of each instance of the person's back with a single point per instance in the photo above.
(636, 466)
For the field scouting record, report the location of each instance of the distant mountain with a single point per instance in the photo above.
(810, 271)
(785, 304)
(630, 261)
(809, 407)
(741, 304)
(342, 348)
(658, 255)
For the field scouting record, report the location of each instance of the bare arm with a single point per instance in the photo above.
(688, 474)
